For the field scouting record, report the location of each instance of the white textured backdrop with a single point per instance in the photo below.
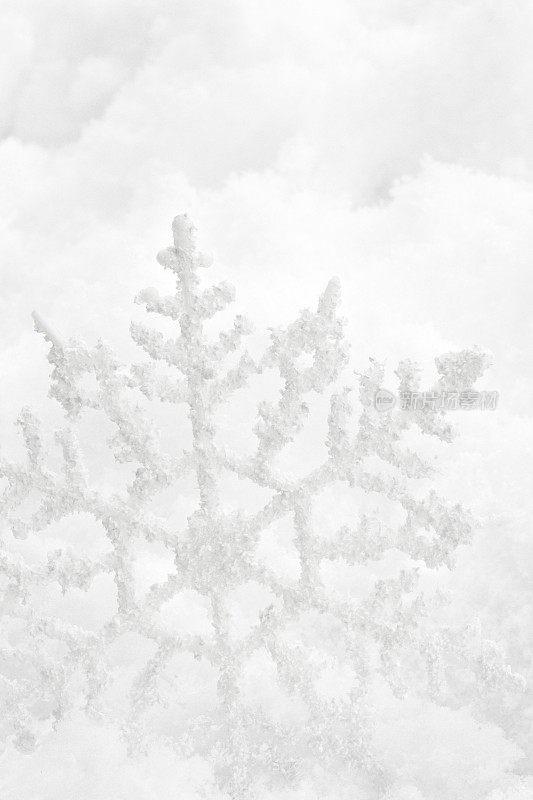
(389, 143)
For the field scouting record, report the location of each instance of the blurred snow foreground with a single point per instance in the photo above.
(281, 652)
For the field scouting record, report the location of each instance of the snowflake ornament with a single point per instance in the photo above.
(289, 697)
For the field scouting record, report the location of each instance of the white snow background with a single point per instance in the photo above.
(386, 142)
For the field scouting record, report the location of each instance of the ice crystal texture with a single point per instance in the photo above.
(268, 648)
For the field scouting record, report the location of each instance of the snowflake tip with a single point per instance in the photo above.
(42, 327)
(330, 299)
(184, 233)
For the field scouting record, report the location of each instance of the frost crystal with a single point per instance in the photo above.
(274, 717)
